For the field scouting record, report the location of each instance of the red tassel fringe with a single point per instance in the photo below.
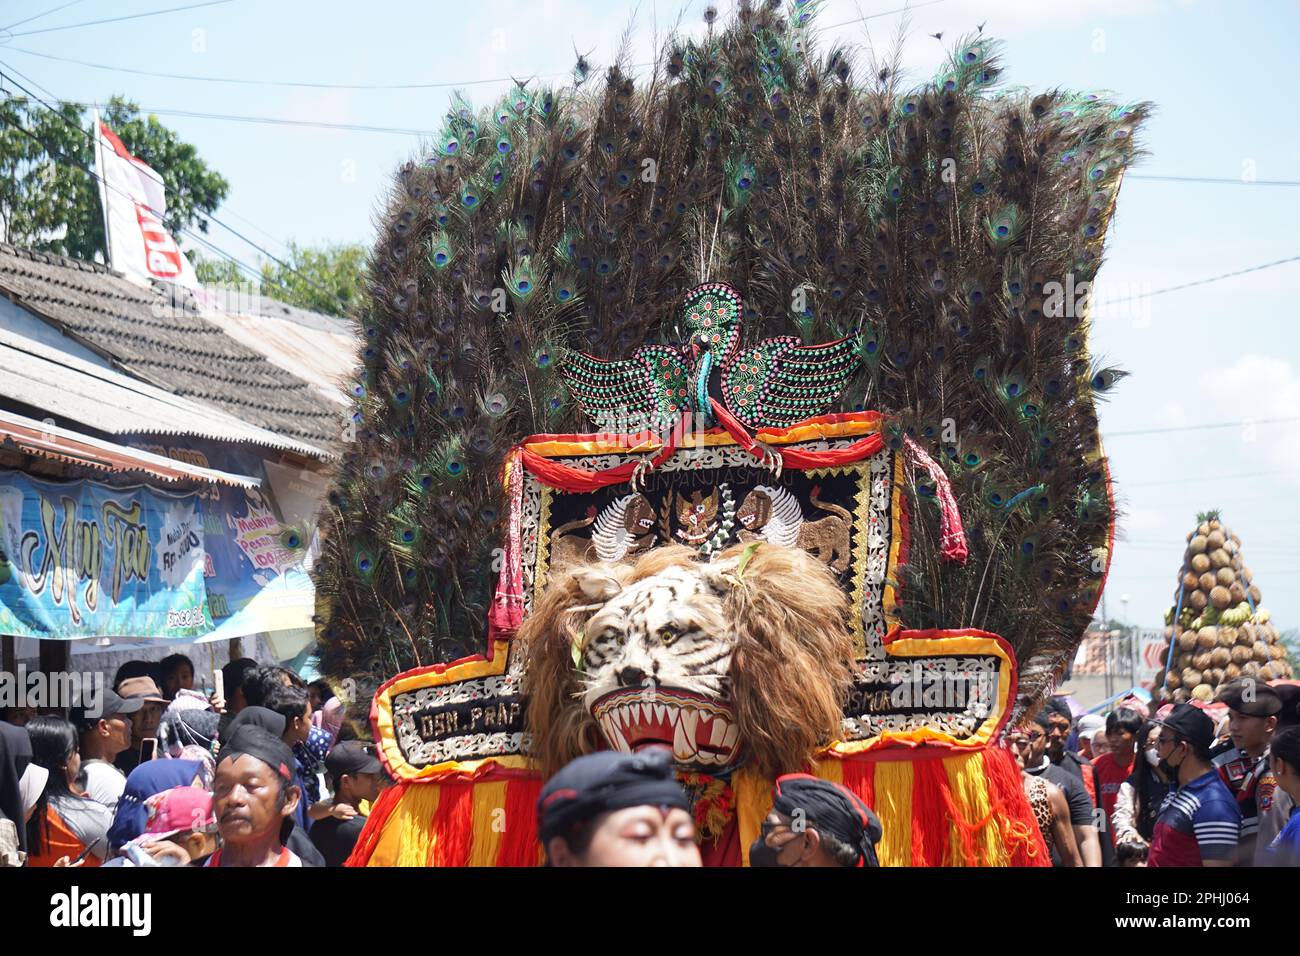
(379, 814)
(1010, 806)
(519, 846)
(453, 825)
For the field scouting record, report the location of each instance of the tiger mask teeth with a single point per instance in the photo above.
(701, 732)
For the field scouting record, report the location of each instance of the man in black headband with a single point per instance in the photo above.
(816, 823)
(254, 798)
(612, 809)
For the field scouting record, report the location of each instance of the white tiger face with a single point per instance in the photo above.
(656, 658)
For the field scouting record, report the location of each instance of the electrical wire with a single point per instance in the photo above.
(132, 16)
(274, 258)
(1218, 278)
(442, 84)
(38, 16)
(1196, 428)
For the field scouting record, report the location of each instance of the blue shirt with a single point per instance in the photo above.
(1198, 822)
(1285, 848)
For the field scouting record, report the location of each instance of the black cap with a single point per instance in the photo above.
(265, 746)
(1251, 697)
(1190, 723)
(831, 808)
(606, 781)
(110, 705)
(352, 757)
(1289, 694)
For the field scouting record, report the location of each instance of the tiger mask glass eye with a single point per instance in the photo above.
(668, 635)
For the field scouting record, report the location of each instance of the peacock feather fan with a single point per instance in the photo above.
(952, 229)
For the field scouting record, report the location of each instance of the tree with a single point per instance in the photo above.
(326, 279)
(219, 272)
(49, 202)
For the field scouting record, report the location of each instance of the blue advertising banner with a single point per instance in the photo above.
(257, 541)
(82, 559)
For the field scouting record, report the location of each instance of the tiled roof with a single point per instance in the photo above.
(320, 349)
(64, 386)
(163, 340)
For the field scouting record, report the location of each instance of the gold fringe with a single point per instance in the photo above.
(408, 836)
(893, 791)
(489, 822)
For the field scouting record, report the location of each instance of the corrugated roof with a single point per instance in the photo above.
(317, 348)
(63, 444)
(69, 388)
(165, 341)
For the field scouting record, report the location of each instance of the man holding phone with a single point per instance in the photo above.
(144, 722)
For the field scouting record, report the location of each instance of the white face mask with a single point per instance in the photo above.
(1153, 758)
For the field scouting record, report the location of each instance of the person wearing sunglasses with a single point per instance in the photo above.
(1047, 800)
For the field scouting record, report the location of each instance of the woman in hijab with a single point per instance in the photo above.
(65, 825)
(153, 776)
(187, 734)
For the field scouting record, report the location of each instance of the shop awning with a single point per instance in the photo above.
(62, 444)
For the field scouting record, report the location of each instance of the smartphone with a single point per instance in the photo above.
(84, 853)
(148, 748)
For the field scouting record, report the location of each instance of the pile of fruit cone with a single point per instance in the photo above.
(1222, 632)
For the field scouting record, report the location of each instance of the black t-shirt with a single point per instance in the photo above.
(1076, 797)
(336, 838)
(300, 843)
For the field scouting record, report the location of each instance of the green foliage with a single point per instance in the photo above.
(327, 279)
(47, 202)
(219, 272)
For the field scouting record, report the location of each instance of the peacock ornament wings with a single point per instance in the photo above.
(777, 381)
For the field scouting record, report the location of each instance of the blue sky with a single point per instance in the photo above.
(1221, 75)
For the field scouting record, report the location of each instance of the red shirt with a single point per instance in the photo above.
(1110, 774)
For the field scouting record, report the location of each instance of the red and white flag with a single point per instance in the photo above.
(135, 201)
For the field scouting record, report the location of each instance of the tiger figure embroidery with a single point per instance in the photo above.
(702, 657)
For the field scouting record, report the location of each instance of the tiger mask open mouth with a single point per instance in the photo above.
(722, 662)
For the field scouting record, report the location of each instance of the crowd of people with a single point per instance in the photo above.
(155, 773)
(1189, 785)
(270, 774)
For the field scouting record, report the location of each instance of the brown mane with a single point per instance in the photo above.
(790, 668)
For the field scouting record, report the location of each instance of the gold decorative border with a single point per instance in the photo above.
(889, 595)
(542, 564)
(381, 716)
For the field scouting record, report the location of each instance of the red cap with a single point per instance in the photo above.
(177, 809)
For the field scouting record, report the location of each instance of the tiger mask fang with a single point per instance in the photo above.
(723, 666)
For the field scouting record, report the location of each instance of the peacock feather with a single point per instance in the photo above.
(946, 232)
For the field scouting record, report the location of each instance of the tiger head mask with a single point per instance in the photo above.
(741, 659)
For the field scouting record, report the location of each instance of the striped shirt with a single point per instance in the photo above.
(1198, 822)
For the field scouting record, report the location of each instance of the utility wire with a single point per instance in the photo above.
(1198, 428)
(245, 81)
(1218, 278)
(37, 16)
(1152, 177)
(132, 16)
